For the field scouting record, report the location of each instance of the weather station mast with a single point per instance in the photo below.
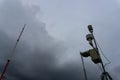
(95, 55)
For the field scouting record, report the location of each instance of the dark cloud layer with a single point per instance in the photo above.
(34, 64)
(37, 55)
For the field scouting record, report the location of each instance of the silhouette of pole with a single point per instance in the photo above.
(85, 74)
(4, 70)
(104, 74)
(97, 50)
(13, 51)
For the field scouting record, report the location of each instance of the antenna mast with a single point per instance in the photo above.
(95, 54)
(13, 51)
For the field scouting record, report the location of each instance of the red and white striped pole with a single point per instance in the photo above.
(13, 51)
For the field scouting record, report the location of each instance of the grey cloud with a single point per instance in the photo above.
(37, 55)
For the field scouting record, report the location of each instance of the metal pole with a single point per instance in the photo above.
(4, 70)
(104, 74)
(14, 48)
(13, 51)
(97, 50)
(85, 74)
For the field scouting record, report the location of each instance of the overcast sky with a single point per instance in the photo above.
(55, 34)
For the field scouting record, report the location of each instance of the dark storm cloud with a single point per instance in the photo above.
(36, 65)
(37, 55)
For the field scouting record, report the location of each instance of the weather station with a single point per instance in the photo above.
(95, 55)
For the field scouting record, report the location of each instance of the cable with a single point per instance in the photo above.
(105, 74)
(100, 67)
(109, 62)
